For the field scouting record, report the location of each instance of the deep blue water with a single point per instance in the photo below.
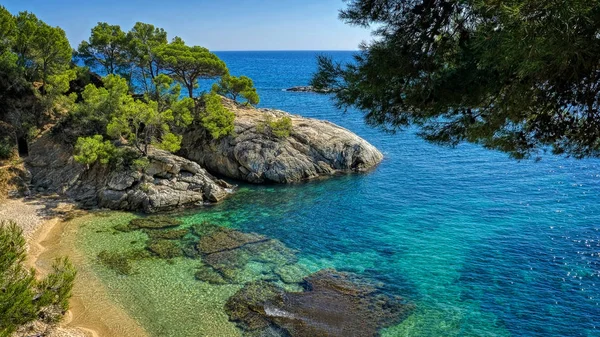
(482, 244)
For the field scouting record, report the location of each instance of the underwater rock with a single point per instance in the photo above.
(172, 234)
(208, 274)
(226, 239)
(115, 261)
(120, 262)
(333, 304)
(241, 257)
(154, 222)
(247, 306)
(291, 273)
(165, 249)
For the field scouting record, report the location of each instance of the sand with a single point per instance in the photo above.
(49, 236)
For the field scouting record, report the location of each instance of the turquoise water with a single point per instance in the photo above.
(484, 245)
(481, 244)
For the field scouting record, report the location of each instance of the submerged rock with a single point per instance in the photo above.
(314, 148)
(224, 239)
(333, 304)
(154, 222)
(238, 257)
(164, 249)
(168, 182)
(173, 234)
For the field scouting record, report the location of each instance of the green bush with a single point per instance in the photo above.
(89, 150)
(217, 119)
(24, 299)
(281, 127)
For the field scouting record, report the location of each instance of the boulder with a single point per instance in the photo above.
(314, 148)
(168, 182)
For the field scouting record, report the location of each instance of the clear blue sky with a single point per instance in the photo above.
(215, 24)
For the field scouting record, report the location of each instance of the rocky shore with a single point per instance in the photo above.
(314, 148)
(167, 182)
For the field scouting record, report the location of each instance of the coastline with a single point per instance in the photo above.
(92, 313)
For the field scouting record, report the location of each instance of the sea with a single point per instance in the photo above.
(481, 244)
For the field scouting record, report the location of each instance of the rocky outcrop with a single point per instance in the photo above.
(166, 183)
(309, 88)
(314, 148)
(332, 304)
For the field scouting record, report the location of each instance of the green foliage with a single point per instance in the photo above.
(189, 64)
(280, 127)
(42, 50)
(52, 51)
(106, 47)
(170, 142)
(24, 299)
(144, 124)
(7, 29)
(517, 76)
(141, 164)
(233, 87)
(89, 150)
(142, 41)
(217, 119)
(118, 115)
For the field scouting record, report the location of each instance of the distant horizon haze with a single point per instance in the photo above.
(226, 25)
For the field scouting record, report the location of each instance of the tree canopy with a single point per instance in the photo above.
(189, 64)
(234, 87)
(138, 102)
(106, 47)
(519, 76)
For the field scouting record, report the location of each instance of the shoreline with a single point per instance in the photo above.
(91, 311)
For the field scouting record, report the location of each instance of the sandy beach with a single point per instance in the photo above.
(49, 236)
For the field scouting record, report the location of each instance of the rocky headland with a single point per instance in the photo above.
(313, 148)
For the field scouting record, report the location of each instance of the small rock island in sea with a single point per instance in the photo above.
(313, 148)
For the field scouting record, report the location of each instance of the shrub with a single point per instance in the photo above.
(281, 127)
(89, 150)
(217, 119)
(24, 299)
(140, 164)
